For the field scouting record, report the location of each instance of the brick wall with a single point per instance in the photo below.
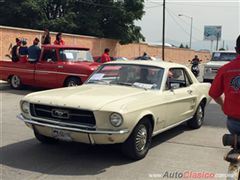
(97, 45)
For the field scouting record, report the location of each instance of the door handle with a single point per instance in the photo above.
(60, 66)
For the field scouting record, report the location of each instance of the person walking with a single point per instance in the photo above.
(46, 38)
(34, 51)
(59, 40)
(105, 56)
(227, 82)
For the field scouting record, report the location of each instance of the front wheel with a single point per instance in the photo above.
(197, 120)
(72, 81)
(15, 82)
(138, 143)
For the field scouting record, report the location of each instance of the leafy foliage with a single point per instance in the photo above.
(101, 18)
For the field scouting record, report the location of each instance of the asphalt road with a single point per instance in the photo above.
(173, 152)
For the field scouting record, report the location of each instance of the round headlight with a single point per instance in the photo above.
(208, 70)
(116, 119)
(25, 107)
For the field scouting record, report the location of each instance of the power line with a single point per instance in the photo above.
(201, 5)
(184, 21)
(186, 32)
(194, 3)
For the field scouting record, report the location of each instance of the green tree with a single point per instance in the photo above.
(181, 46)
(108, 18)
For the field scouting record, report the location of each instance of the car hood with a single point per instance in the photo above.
(216, 63)
(91, 97)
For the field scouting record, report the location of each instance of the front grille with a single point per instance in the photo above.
(63, 115)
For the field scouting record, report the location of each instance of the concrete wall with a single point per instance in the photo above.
(97, 45)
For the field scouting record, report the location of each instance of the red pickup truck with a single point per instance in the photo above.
(58, 66)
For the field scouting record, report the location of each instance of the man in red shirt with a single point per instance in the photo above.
(227, 82)
(105, 57)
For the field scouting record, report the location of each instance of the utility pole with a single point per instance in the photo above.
(191, 32)
(163, 32)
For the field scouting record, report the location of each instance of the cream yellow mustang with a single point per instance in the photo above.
(125, 102)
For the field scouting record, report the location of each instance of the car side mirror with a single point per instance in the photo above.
(174, 85)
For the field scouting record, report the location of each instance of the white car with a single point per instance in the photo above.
(125, 102)
(218, 59)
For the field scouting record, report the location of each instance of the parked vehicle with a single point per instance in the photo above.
(58, 66)
(125, 102)
(233, 156)
(218, 59)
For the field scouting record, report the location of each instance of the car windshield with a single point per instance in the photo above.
(74, 55)
(223, 56)
(137, 76)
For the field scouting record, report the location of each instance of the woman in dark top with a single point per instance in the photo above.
(46, 38)
(23, 50)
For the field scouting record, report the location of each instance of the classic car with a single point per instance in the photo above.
(218, 59)
(58, 66)
(126, 102)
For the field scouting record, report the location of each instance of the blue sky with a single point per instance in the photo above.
(214, 12)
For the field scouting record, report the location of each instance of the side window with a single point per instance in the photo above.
(49, 55)
(177, 78)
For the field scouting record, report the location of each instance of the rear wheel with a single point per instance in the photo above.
(44, 139)
(73, 81)
(197, 120)
(15, 82)
(138, 143)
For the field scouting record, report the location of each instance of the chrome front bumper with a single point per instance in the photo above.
(112, 136)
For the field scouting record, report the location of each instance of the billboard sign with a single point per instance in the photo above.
(212, 33)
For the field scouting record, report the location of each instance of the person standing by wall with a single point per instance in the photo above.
(227, 82)
(105, 56)
(34, 51)
(46, 38)
(59, 40)
(23, 51)
(15, 51)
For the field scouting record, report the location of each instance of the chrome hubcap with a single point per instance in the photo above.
(141, 138)
(72, 83)
(15, 81)
(199, 115)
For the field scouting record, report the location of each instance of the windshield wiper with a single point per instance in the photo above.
(136, 86)
(124, 83)
(97, 82)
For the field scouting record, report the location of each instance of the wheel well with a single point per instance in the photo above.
(203, 101)
(65, 81)
(9, 77)
(150, 117)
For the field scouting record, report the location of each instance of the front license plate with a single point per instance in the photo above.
(61, 135)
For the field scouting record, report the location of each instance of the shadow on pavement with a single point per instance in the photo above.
(214, 116)
(61, 158)
(169, 134)
(71, 158)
